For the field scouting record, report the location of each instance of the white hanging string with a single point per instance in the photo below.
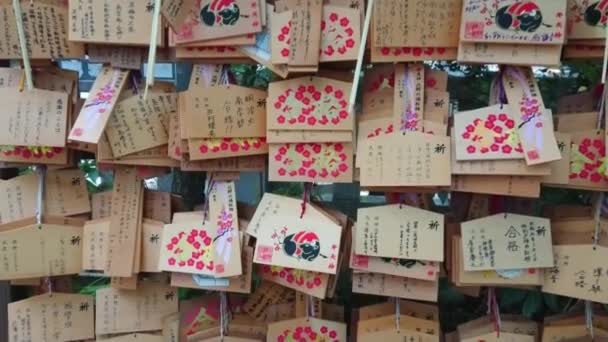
(360, 55)
(152, 50)
(597, 218)
(589, 317)
(224, 315)
(605, 62)
(41, 170)
(600, 113)
(310, 310)
(23, 45)
(397, 315)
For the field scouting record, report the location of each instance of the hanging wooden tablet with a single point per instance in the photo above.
(307, 329)
(577, 272)
(52, 20)
(311, 162)
(586, 20)
(408, 105)
(312, 283)
(392, 286)
(238, 284)
(560, 169)
(404, 327)
(519, 186)
(460, 277)
(515, 241)
(231, 125)
(534, 122)
(307, 243)
(23, 126)
(52, 317)
(136, 338)
(587, 160)
(66, 193)
(112, 22)
(39, 251)
(487, 134)
(378, 94)
(119, 311)
(137, 125)
(20, 198)
(420, 32)
(309, 103)
(95, 244)
(127, 202)
(490, 28)
(95, 113)
(409, 268)
(213, 19)
(177, 12)
(399, 231)
(413, 159)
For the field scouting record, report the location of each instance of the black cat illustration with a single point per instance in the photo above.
(303, 245)
(596, 13)
(220, 12)
(524, 16)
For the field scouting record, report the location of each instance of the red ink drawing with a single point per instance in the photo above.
(380, 131)
(219, 13)
(413, 51)
(311, 106)
(98, 104)
(474, 29)
(219, 49)
(361, 261)
(493, 134)
(531, 126)
(284, 39)
(191, 251)
(77, 132)
(308, 333)
(303, 245)
(588, 160)
(519, 16)
(234, 145)
(264, 253)
(28, 152)
(592, 13)
(313, 161)
(383, 81)
(338, 36)
(226, 232)
(293, 277)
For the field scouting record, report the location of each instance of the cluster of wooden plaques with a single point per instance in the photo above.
(270, 272)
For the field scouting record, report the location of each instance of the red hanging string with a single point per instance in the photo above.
(305, 198)
(493, 310)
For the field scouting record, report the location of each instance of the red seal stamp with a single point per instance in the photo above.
(264, 253)
(474, 29)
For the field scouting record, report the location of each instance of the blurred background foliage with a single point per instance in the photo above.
(469, 87)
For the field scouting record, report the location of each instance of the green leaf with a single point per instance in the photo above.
(552, 302)
(533, 306)
(511, 299)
